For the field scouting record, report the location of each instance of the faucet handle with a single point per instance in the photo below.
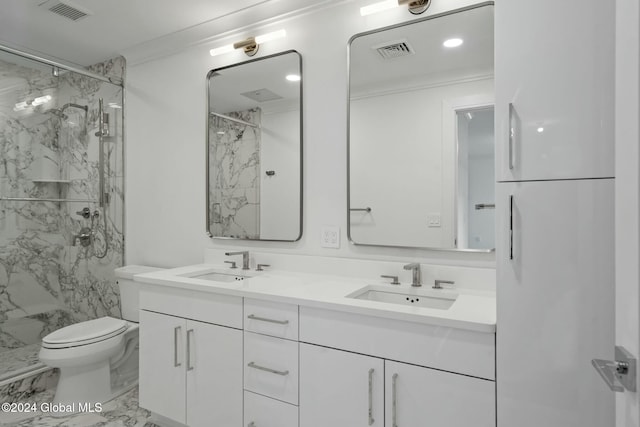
(394, 279)
(233, 264)
(260, 267)
(438, 283)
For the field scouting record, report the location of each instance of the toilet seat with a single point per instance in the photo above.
(85, 333)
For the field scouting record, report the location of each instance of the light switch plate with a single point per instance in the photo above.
(330, 237)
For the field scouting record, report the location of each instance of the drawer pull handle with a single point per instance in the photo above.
(176, 334)
(512, 135)
(264, 319)
(262, 368)
(394, 400)
(189, 335)
(371, 420)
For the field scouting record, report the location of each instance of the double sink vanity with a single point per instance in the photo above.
(292, 346)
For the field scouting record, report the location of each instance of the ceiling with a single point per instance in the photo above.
(429, 63)
(133, 28)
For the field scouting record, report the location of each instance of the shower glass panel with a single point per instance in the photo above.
(58, 244)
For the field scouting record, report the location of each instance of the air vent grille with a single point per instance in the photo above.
(67, 11)
(395, 49)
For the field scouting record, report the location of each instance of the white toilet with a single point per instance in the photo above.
(98, 359)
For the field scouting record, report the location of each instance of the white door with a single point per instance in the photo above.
(627, 193)
(554, 66)
(338, 388)
(416, 396)
(555, 273)
(214, 375)
(162, 365)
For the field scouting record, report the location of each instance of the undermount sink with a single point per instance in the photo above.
(217, 276)
(416, 298)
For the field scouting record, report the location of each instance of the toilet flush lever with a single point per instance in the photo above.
(619, 374)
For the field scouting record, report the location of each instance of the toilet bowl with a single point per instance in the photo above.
(97, 359)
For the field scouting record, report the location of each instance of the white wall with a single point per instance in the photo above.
(280, 193)
(402, 166)
(166, 123)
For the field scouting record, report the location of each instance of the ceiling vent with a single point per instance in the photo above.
(261, 95)
(394, 49)
(66, 10)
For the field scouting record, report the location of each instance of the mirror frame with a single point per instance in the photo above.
(301, 158)
(377, 30)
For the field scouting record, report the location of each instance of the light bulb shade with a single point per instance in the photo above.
(271, 36)
(378, 7)
(221, 50)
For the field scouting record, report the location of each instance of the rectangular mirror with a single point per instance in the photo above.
(254, 149)
(421, 137)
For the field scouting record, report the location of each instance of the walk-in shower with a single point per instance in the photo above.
(61, 201)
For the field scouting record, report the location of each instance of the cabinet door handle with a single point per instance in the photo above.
(263, 368)
(511, 227)
(394, 400)
(264, 319)
(511, 135)
(371, 420)
(189, 335)
(176, 335)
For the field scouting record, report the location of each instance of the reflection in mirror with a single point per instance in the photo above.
(421, 136)
(254, 149)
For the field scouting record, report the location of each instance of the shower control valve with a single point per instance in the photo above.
(85, 213)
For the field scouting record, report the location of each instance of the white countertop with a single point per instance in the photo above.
(473, 309)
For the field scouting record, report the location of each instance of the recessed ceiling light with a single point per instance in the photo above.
(293, 77)
(452, 42)
(540, 129)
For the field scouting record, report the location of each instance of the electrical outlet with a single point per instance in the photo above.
(330, 237)
(433, 220)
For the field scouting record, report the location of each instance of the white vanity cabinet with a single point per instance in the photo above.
(387, 376)
(338, 388)
(191, 370)
(417, 396)
(270, 364)
(554, 89)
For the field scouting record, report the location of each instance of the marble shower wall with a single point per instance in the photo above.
(234, 167)
(47, 281)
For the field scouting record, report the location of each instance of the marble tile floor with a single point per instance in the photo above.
(122, 411)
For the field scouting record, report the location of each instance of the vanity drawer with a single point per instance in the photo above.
(449, 349)
(271, 318)
(224, 310)
(271, 367)
(266, 412)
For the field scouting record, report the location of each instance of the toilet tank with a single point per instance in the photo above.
(129, 290)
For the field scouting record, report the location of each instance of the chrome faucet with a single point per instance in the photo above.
(415, 269)
(245, 258)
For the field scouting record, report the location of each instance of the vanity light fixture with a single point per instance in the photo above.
(41, 100)
(455, 42)
(415, 6)
(250, 45)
